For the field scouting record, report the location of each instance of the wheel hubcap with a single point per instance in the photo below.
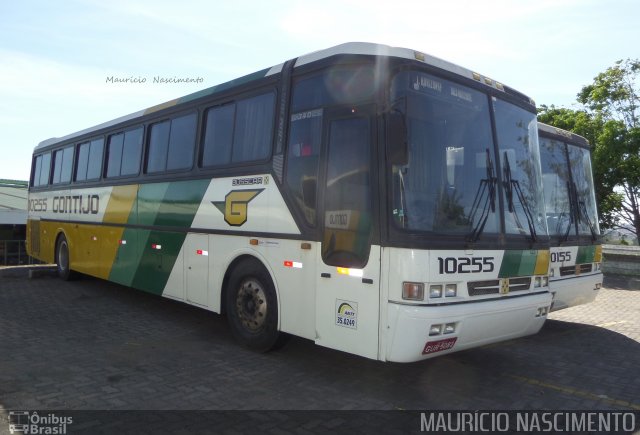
(251, 305)
(63, 257)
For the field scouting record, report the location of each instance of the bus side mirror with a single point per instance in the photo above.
(397, 146)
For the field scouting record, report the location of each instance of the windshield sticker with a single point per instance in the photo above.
(306, 115)
(462, 94)
(338, 219)
(423, 82)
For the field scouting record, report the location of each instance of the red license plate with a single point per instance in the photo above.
(439, 345)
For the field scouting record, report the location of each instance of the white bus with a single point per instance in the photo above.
(572, 218)
(373, 199)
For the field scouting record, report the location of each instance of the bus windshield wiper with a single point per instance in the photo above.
(583, 214)
(582, 207)
(486, 190)
(572, 211)
(511, 185)
(403, 200)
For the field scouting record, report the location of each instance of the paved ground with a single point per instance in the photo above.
(89, 344)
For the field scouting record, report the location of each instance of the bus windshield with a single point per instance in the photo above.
(517, 132)
(449, 181)
(580, 162)
(568, 189)
(556, 182)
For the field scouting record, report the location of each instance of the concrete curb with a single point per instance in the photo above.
(621, 282)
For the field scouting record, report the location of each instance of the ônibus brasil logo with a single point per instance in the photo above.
(26, 422)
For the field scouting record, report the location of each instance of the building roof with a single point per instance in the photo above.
(13, 202)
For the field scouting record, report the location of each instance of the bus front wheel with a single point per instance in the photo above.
(252, 306)
(62, 259)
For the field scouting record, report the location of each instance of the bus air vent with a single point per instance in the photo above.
(586, 268)
(519, 284)
(479, 288)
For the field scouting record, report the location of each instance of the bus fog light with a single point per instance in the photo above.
(545, 281)
(449, 328)
(435, 291)
(413, 291)
(542, 311)
(537, 282)
(435, 330)
(451, 290)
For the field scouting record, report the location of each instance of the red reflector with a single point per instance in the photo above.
(199, 252)
(288, 263)
(439, 345)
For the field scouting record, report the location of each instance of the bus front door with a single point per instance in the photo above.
(347, 291)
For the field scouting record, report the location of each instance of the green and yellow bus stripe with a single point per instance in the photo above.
(524, 263)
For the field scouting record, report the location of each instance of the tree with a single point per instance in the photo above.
(609, 120)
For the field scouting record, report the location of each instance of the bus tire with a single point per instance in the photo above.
(252, 306)
(63, 259)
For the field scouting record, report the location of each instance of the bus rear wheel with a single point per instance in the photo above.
(252, 307)
(62, 259)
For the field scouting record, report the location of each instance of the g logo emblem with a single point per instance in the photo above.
(235, 205)
(504, 286)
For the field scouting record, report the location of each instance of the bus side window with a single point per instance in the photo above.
(253, 133)
(35, 177)
(123, 153)
(131, 152)
(302, 161)
(46, 169)
(114, 152)
(171, 144)
(218, 135)
(89, 160)
(63, 160)
(239, 132)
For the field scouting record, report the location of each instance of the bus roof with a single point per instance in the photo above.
(349, 48)
(567, 136)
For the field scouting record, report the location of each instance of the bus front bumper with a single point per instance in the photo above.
(576, 290)
(411, 330)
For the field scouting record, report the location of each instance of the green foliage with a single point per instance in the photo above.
(608, 119)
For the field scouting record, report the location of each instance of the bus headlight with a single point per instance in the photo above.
(413, 291)
(545, 281)
(538, 282)
(435, 291)
(450, 290)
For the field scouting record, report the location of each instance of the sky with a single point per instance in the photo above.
(56, 57)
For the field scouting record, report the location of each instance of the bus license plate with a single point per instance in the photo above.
(439, 345)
